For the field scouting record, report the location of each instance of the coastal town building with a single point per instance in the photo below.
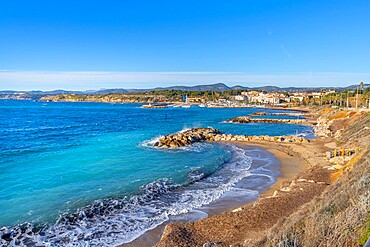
(195, 100)
(262, 97)
(241, 98)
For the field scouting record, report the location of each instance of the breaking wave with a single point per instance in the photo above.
(115, 221)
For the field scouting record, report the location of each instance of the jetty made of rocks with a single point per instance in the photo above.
(291, 114)
(248, 119)
(187, 137)
(262, 138)
(194, 135)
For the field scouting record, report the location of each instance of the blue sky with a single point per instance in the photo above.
(140, 44)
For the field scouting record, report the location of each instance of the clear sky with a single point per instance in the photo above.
(73, 44)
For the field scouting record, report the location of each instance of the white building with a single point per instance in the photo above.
(241, 97)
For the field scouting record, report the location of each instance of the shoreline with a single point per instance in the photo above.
(302, 178)
(290, 166)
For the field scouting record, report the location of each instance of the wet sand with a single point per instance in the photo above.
(290, 164)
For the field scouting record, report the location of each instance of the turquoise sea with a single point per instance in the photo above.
(86, 174)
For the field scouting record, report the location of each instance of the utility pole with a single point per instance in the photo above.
(361, 92)
(356, 97)
(347, 100)
(341, 98)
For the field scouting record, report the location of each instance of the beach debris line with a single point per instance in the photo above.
(248, 119)
(194, 135)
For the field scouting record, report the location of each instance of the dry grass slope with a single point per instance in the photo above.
(341, 216)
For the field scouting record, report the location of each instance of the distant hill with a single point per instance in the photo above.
(39, 92)
(220, 87)
(107, 91)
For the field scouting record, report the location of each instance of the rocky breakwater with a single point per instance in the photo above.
(260, 113)
(191, 136)
(262, 138)
(291, 114)
(247, 119)
(186, 138)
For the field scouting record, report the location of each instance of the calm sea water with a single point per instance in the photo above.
(87, 171)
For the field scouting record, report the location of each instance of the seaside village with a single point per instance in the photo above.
(250, 99)
(270, 98)
(276, 98)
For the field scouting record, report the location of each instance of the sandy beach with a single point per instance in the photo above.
(291, 164)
